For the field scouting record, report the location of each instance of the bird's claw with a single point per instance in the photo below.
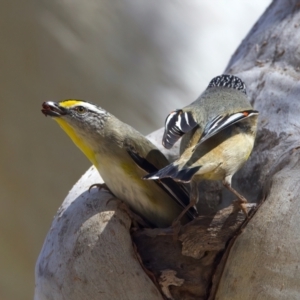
(100, 186)
(176, 226)
(241, 204)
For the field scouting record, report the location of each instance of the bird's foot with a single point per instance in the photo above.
(100, 186)
(137, 221)
(176, 226)
(241, 204)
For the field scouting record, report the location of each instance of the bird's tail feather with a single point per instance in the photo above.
(173, 171)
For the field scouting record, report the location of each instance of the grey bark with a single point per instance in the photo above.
(88, 252)
(264, 262)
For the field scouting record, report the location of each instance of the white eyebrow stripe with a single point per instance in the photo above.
(91, 107)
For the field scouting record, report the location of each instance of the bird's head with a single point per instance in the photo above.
(84, 122)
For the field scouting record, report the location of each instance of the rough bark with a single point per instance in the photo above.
(264, 262)
(88, 252)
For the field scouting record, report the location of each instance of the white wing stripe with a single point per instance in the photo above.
(186, 118)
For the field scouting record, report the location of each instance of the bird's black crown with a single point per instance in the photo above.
(229, 81)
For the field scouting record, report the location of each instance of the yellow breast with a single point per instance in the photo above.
(90, 154)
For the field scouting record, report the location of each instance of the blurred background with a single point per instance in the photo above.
(137, 59)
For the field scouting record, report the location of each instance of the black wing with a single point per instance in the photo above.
(176, 125)
(176, 190)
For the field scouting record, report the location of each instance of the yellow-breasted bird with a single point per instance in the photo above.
(218, 130)
(122, 156)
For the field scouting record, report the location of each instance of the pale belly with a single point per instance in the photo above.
(227, 160)
(143, 196)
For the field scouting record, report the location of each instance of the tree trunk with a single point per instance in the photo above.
(264, 261)
(88, 252)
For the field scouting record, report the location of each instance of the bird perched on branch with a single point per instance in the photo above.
(218, 131)
(122, 156)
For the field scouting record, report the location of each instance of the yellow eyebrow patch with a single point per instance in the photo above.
(69, 103)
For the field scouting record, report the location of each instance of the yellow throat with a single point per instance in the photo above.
(89, 153)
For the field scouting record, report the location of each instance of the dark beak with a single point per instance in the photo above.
(53, 109)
